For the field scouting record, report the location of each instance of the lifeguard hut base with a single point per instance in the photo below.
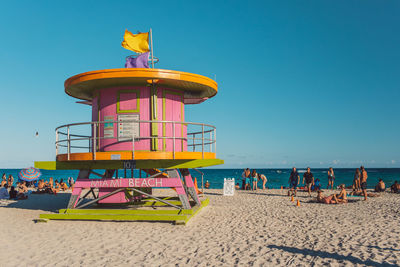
(139, 137)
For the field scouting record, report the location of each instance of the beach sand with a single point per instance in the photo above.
(248, 229)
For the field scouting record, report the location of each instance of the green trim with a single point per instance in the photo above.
(126, 211)
(165, 92)
(179, 217)
(137, 110)
(98, 119)
(118, 164)
(153, 111)
(113, 217)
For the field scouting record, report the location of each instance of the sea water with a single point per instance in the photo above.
(276, 177)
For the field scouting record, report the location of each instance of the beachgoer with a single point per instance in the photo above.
(363, 181)
(254, 179)
(237, 186)
(326, 200)
(207, 184)
(247, 185)
(308, 177)
(10, 180)
(342, 196)
(294, 180)
(380, 187)
(263, 178)
(394, 188)
(3, 180)
(244, 179)
(57, 187)
(317, 185)
(331, 178)
(41, 185)
(4, 192)
(63, 185)
(71, 182)
(356, 180)
(13, 193)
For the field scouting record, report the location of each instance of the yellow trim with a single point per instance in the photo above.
(153, 116)
(165, 92)
(139, 155)
(123, 91)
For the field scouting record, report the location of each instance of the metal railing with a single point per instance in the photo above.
(199, 137)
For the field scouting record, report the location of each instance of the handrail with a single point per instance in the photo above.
(139, 121)
(72, 140)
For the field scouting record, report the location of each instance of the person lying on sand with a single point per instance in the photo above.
(326, 200)
(360, 193)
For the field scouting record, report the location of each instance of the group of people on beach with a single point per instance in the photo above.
(250, 180)
(21, 191)
(359, 183)
(359, 186)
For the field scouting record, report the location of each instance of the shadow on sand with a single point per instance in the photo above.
(45, 202)
(335, 256)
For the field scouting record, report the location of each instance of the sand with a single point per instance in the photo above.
(248, 229)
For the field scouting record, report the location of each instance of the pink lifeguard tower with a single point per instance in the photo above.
(140, 138)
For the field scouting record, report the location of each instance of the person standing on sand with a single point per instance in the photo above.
(331, 178)
(244, 178)
(3, 180)
(363, 181)
(254, 179)
(10, 180)
(264, 180)
(294, 180)
(356, 181)
(309, 179)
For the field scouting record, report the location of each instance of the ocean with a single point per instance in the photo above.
(276, 177)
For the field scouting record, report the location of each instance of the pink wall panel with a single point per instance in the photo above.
(108, 109)
(126, 103)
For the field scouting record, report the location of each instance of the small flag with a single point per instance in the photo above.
(138, 43)
(141, 61)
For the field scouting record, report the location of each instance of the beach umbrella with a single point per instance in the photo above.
(29, 174)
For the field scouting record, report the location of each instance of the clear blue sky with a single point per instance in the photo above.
(300, 82)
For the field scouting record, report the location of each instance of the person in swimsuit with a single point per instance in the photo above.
(342, 196)
(380, 187)
(10, 180)
(247, 180)
(264, 180)
(3, 180)
(356, 181)
(244, 178)
(394, 188)
(309, 179)
(363, 181)
(294, 180)
(13, 193)
(254, 180)
(331, 178)
(326, 200)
